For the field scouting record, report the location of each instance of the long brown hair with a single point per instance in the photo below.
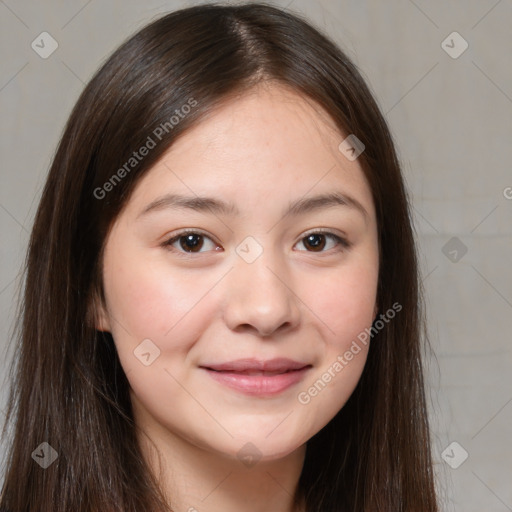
(68, 387)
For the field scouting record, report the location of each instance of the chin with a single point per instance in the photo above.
(264, 447)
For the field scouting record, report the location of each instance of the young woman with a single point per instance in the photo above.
(222, 305)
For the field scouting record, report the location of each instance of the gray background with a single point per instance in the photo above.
(451, 118)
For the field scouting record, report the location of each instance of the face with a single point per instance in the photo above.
(235, 316)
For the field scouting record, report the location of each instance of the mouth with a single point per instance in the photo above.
(255, 372)
(258, 378)
(258, 366)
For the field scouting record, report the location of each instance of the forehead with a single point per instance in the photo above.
(269, 143)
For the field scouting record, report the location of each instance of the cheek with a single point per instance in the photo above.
(149, 301)
(345, 304)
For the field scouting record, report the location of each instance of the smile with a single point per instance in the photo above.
(259, 382)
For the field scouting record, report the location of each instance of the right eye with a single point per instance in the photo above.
(190, 242)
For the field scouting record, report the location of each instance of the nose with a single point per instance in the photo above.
(260, 297)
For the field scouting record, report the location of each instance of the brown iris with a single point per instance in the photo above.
(316, 241)
(191, 242)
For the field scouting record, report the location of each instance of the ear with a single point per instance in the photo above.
(98, 315)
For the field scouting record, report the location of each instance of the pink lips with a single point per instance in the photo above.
(257, 377)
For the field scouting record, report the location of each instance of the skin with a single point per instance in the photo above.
(261, 150)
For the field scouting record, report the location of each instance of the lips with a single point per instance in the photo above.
(258, 378)
(257, 367)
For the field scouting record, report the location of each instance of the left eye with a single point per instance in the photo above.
(318, 241)
(191, 242)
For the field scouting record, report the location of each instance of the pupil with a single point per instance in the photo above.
(316, 241)
(191, 242)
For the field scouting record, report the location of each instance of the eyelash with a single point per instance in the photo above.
(343, 242)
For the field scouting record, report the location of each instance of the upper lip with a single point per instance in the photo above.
(246, 365)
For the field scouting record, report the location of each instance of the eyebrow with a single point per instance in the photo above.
(216, 206)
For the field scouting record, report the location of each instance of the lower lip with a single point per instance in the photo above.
(259, 385)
